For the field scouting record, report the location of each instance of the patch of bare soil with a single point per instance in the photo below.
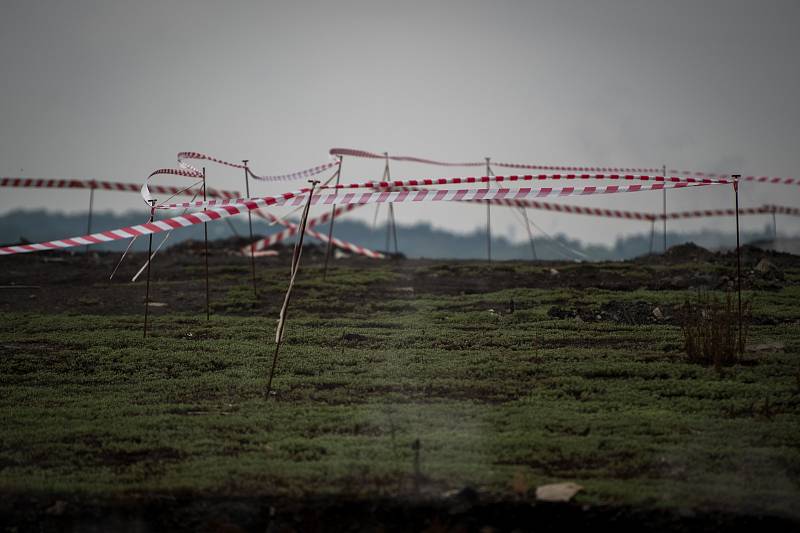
(77, 282)
(631, 313)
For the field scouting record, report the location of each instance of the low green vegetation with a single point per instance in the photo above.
(502, 397)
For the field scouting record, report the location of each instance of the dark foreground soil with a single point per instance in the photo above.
(464, 512)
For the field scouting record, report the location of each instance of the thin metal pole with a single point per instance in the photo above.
(530, 233)
(664, 204)
(149, 254)
(488, 219)
(250, 224)
(738, 260)
(298, 250)
(91, 207)
(394, 228)
(233, 228)
(329, 249)
(205, 231)
(391, 227)
(388, 229)
(774, 226)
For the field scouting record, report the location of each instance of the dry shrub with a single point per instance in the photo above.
(710, 328)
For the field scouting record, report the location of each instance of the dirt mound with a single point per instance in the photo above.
(689, 252)
(752, 255)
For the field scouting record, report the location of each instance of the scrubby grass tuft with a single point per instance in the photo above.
(710, 328)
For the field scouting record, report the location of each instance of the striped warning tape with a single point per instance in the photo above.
(48, 183)
(292, 229)
(764, 209)
(427, 182)
(569, 168)
(659, 182)
(373, 155)
(183, 156)
(313, 171)
(159, 189)
(630, 215)
(756, 179)
(334, 198)
(638, 215)
(187, 170)
(269, 240)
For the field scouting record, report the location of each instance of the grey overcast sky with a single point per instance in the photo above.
(112, 90)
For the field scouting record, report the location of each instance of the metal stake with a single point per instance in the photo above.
(329, 249)
(488, 218)
(250, 224)
(298, 250)
(738, 260)
(91, 205)
(149, 253)
(530, 234)
(391, 226)
(774, 226)
(394, 228)
(205, 231)
(664, 204)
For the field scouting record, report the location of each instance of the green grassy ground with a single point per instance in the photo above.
(499, 401)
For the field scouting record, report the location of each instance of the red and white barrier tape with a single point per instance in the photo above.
(269, 240)
(334, 198)
(756, 179)
(630, 215)
(187, 170)
(660, 182)
(774, 181)
(576, 209)
(576, 168)
(313, 171)
(372, 155)
(184, 169)
(563, 208)
(569, 168)
(147, 189)
(762, 210)
(163, 189)
(293, 228)
(638, 215)
(780, 210)
(225, 194)
(197, 156)
(48, 183)
(427, 182)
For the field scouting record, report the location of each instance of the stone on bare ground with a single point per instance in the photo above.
(557, 492)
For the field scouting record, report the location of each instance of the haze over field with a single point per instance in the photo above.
(114, 90)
